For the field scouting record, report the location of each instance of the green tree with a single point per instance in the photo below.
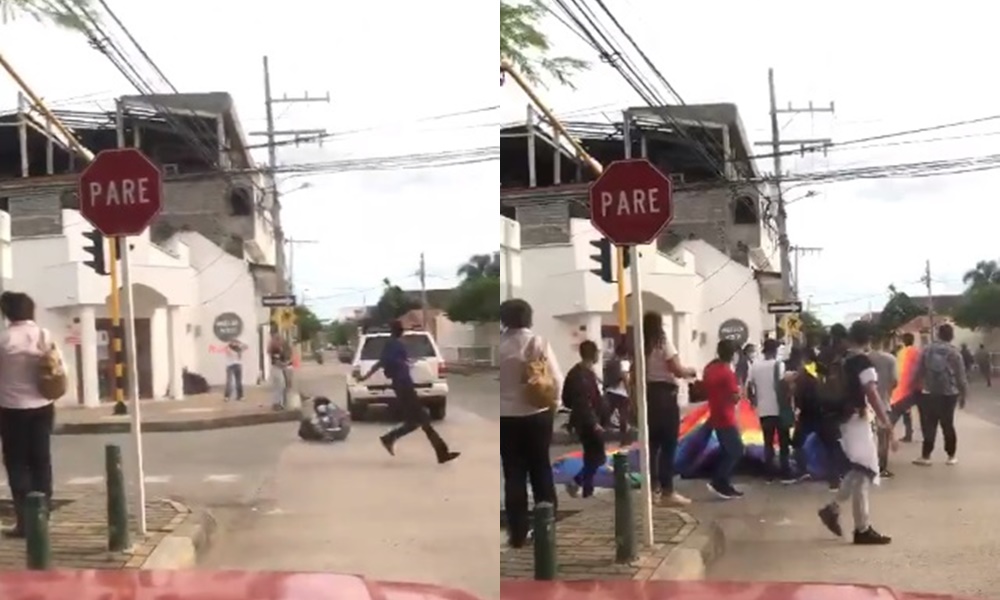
(527, 48)
(393, 304)
(481, 265)
(476, 300)
(308, 323)
(812, 326)
(68, 13)
(986, 272)
(340, 333)
(898, 311)
(980, 307)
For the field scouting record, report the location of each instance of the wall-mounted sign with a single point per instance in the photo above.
(735, 331)
(228, 326)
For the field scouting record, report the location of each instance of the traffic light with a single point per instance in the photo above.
(605, 259)
(96, 249)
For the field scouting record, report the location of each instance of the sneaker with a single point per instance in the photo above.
(887, 474)
(573, 489)
(870, 537)
(735, 493)
(789, 479)
(906, 439)
(923, 462)
(388, 445)
(951, 461)
(447, 458)
(833, 486)
(13, 533)
(720, 492)
(829, 515)
(675, 500)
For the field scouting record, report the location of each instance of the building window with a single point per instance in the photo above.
(745, 211)
(240, 202)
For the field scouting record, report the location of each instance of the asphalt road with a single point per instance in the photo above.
(940, 517)
(350, 507)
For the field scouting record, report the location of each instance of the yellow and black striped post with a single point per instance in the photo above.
(117, 331)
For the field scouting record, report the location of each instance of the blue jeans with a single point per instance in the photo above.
(730, 453)
(234, 382)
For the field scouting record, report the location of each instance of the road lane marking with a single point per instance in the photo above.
(157, 478)
(85, 480)
(224, 478)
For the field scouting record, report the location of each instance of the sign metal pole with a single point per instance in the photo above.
(639, 361)
(133, 381)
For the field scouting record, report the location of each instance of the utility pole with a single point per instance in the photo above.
(776, 144)
(422, 273)
(927, 281)
(292, 242)
(799, 251)
(272, 135)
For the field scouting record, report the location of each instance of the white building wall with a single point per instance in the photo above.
(510, 259)
(571, 304)
(223, 285)
(729, 291)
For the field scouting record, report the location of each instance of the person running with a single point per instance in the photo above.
(723, 391)
(616, 371)
(525, 428)
(886, 368)
(663, 370)
(855, 378)
(767, 380)
(582, 394)
(984, 363)
(968, 359)
(812, 420)
(940, 374)
(395, 363)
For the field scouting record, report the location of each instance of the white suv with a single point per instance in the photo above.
(427, 369)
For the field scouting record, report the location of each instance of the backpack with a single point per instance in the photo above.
(831, 386)
(539, 384)
(51, 375)
(937, 370)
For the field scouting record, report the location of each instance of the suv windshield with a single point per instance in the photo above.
(417, 346)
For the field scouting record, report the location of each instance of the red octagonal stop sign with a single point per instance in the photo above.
(120, 192)
(631, 202)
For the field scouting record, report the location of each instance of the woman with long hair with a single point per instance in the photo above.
(663, 371)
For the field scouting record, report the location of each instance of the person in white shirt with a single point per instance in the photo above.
(663, 370)
(766, 388)
(234, 370)
(26, 417)
(615, 380)
(525, 428)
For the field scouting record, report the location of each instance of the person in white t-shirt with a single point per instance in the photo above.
(234, 370)
(766, 388)
(615, 380)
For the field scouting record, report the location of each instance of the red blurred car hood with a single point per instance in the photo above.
(701, 590)
(210, 585)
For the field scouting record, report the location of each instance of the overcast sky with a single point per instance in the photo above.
(387, 64)
(888, 68)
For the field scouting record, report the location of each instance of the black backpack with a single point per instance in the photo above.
(832, 389)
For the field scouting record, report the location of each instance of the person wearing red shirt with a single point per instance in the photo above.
(723, 391)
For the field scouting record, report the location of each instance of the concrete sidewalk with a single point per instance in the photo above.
(585, 540)
(78, 527)
(194, 413)
(942, 518)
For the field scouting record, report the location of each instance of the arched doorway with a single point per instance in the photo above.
(146, 301)
(650, 302)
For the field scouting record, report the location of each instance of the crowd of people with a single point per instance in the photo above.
(838, 389)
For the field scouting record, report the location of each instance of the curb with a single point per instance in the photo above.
(189, 541)
(702, 545)
(225, 422)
